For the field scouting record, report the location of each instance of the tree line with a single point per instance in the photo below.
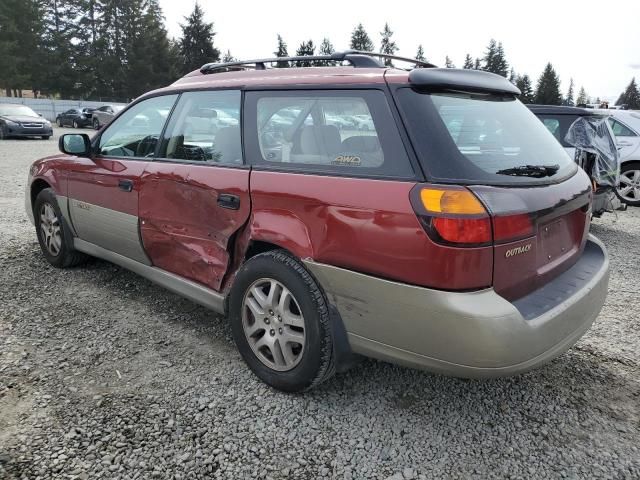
(119, 49)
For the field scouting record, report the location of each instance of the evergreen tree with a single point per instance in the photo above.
(512, 76)
(477, 65)
(420, 54)
(631, 96)
(583, 98)
(20, 31)
(495, 60)
(326, 48)
(387, 45)
(448, 63)
(468, 62)
(523, 82)
(281, 51)
(228, 57)
(360, 39)
(569, 98)
(196, 44)
(305, 48)
(548, 88)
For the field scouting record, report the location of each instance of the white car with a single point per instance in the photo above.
(626, 127)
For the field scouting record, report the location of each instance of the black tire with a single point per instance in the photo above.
(96, 124)
(317, 363)
(75, 124)
(626, 167)
(46, 137)
(59, 122)
(67, 256)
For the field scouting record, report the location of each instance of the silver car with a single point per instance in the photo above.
(103, 115)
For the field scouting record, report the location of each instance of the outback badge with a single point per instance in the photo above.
(518, 250)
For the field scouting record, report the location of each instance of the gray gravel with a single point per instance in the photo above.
(104, 375)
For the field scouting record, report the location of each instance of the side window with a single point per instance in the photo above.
(619, 130)
(205, 127)
(136, 132)
(553, 125)
(341, 132)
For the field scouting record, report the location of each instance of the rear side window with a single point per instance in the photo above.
(205, 127)
(344, 132)
(482, 138)
(620, 130)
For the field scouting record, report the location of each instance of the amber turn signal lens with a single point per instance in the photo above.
(460, 202)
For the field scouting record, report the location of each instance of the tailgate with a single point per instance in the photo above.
(559, 216)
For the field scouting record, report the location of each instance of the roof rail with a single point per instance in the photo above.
(357, 58)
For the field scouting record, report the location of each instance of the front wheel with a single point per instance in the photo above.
(280, 322)
(56, 241)
(75, 124)
(629, 189)
(96, 124)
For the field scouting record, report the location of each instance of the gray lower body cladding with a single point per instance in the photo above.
(470, 334)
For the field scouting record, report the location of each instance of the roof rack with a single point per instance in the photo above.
(357, 58)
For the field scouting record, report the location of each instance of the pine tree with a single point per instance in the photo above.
(477, 65)
(583, 98)
(387, 46)
(305, 48)
(448, 63)
(495, 60)
(548, 88)
(360, 39)
(281, 51)
(523, 82)
(196, 44)
(512, 76)
(326, 48)
(468, 62)
(569, 98)
(227, 57)
(631, 96)
(420, 54)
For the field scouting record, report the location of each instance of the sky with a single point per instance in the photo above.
(590, 41)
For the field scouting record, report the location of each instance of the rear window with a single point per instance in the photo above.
(482, 138)
(343, 132)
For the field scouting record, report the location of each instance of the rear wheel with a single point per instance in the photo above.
(96, 124)
(629, 189)
(56, 241)
(59, 122)
(280, 322)
(75, 124)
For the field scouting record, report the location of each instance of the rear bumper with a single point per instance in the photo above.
(468, 334)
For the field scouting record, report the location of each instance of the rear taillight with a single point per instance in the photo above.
(453, 215)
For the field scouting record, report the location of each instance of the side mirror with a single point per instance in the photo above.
(77, 144)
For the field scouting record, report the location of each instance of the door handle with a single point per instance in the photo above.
(126, 185)
(227, 200)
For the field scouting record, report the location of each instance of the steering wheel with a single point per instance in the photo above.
(147, 146)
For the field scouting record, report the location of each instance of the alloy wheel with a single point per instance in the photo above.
(75, 124)
(273, 324)
(629, 189)
(50, 229)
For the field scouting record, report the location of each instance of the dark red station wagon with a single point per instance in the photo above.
(423, 217)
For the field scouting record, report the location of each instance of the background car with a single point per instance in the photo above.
(75, 117)
(103, 115)
(21, 121)
(626, 128)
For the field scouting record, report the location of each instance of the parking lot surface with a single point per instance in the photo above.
(104, 375)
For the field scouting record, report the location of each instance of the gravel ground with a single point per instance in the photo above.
(104, 375)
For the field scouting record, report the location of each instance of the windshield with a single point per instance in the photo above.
(482, 138)
(16, 110)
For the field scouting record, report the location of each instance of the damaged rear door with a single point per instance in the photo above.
(195, 194)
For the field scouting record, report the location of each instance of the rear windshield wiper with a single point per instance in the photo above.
(536, 171)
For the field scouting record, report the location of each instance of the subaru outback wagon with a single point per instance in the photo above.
(451, 234)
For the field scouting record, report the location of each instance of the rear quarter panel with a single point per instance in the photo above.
(361, 224)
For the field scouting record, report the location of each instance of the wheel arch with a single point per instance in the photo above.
(36, 187)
